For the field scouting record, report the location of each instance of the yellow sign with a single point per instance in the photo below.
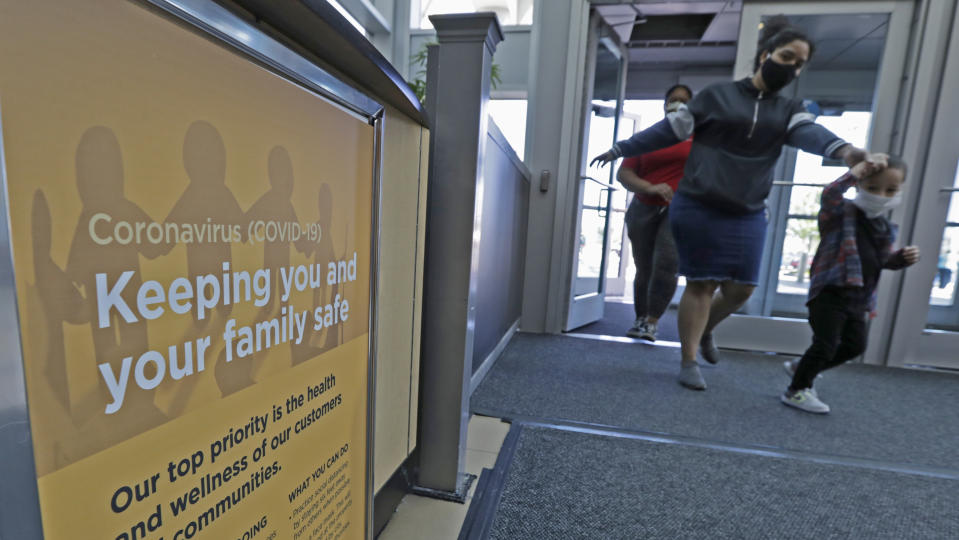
(192, 245)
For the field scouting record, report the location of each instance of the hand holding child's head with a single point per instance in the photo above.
(870, 166)
(878, 160)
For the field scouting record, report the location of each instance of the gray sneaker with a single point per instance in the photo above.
(804, 400)
(648, 331)
(637, 329)
(708, 349)
(690, 377)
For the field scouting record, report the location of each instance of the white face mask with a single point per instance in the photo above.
(674, 106)
(875, 205)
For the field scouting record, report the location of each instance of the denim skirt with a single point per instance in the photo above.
(717, 245)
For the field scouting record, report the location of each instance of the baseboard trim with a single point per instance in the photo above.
(492, 357)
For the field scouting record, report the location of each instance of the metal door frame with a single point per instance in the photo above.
(909, 341)
(586, 308)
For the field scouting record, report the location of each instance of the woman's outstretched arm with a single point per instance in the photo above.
(675, 128)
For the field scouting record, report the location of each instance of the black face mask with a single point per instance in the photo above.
(777, 75)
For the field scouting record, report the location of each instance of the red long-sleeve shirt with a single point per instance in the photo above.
(660, 167)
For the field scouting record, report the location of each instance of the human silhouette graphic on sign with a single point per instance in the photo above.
(322, 254)
(60, 299)
(275, 205)
(207, 199)
(99, 170)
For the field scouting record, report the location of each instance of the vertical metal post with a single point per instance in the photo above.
(459, 81)
(19, 499)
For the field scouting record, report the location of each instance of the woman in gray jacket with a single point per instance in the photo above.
(718, 213)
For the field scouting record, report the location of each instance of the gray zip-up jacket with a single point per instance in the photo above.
(738, 134)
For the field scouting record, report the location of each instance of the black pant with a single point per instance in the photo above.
(654, 253)
(839, 335)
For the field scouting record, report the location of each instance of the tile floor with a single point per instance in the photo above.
(422, 518)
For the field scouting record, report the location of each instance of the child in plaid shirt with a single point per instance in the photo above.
(855, 245)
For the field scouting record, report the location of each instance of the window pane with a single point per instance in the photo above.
(509, 12)
(590, 251)
(943, 291)
(627, 126)
(510, 117)
(804, 201)
(942, 297)
(799, 246)
(851, 126)
(601, 138)
(649, 111)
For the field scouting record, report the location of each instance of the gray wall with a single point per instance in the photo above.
(502, 253)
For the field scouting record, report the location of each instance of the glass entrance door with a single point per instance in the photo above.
(939, 340)
(852, 75)
(925, 331)
(620, 271)
(598, 190)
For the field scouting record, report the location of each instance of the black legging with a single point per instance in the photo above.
(654, 253)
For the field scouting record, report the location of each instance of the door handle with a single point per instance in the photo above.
(948, 189)
(604, 185)
(604, 190)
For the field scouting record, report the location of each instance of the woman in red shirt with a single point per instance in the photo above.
(653, 178)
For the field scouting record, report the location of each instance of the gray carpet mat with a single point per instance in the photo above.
(619, 317)
(565, 485)
(897, 415)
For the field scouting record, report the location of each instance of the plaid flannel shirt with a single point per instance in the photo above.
(837, 257)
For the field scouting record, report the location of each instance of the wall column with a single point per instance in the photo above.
(553, 144)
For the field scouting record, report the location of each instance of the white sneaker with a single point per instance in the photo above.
(637, 329)
(804, 400)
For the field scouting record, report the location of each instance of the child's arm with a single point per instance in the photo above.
(831, 202)
(906, 256)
